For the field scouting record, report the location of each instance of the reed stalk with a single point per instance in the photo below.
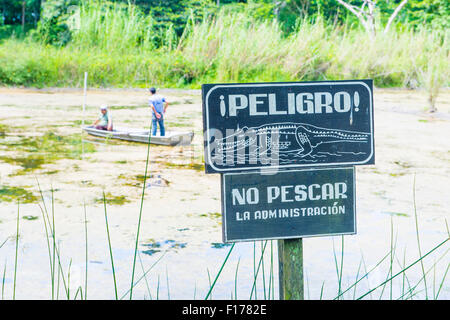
(235, 279)
(17, 252)
(110, 248)
(86, 252)
(143, 277)
(140, 214)
(3, 282)
(220, 271)
(401, 271)
(257, 271)
(418, 237)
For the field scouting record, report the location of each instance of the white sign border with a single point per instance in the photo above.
(224, 222)
(208, 153)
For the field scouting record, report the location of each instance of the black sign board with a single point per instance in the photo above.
(287, 125)
(288, 204)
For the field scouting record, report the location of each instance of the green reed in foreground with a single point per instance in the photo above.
(410, 290)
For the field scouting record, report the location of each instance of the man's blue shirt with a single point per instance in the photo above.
(158, 103)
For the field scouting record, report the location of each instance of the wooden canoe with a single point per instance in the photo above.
(171, 138)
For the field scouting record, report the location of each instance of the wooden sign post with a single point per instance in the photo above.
(290, 269)
(286, 154)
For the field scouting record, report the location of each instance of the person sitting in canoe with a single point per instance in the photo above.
(159, 105)
(104, 122)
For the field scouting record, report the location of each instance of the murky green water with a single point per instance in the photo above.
(16, 194)
(32, 152)
(180, 237)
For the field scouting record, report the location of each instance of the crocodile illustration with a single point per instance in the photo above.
(297, 140)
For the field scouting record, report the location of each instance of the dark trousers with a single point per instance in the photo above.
(102, 128)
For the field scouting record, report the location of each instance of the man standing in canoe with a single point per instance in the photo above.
(159, 106)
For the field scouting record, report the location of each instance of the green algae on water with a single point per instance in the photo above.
(191, 166)
(3, 130)
(14, 194)
(113, 200)
(158, 246)
(36, 151)
(137, 180)
(57, 145)
(30, 162)
(30, 218)
(212, 215)
(217, 245)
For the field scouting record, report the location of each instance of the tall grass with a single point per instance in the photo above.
(241, 49)
(119, 46)
(114, 27)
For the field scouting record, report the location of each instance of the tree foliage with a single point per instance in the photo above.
(52, 27)
(11, 11)
(173, 12)
(49, 17)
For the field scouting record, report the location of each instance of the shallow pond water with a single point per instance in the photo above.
(60, 174)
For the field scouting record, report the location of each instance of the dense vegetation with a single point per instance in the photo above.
(185, 43)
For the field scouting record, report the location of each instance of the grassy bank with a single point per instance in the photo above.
(115, 46)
